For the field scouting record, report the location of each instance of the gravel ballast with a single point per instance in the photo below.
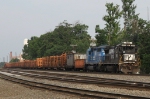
(9, 90)
(90, 86)
(111, 76)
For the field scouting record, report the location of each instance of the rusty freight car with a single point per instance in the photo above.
(75, 61)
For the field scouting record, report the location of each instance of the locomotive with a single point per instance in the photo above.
(120, 58)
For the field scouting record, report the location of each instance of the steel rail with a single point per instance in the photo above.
(81, 92)
(89, 72)
(88, 80)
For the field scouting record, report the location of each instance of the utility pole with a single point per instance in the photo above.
(15, 54)
(147, 13)
(7, 58)
(3, 59)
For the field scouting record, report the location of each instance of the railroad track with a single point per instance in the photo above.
(85, 79)
(90, 72)
(81, 92)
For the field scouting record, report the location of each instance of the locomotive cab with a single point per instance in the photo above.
(129, 61)
(110, 64)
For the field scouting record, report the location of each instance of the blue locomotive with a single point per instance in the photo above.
(119, 58)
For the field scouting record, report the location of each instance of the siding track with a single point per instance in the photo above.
(84, 79)
(81, 92)
(79, 79)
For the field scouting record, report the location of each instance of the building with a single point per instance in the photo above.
(11, 56)
(15, 56)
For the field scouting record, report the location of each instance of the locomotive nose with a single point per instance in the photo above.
(129, 56)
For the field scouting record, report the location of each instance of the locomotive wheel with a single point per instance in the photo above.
(105, 69)
(116, 69)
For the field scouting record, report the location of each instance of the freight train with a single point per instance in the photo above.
(120, 58)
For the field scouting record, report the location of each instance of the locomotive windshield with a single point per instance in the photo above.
(129, 49)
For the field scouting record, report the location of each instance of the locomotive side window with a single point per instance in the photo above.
(106, 51)
(128, 49)
(89, 52)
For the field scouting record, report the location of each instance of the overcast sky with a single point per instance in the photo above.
(20, 19)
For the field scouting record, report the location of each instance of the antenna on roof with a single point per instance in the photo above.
(148, 13)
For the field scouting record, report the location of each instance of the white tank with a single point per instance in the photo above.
(25, 41)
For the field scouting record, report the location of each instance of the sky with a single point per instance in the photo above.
(20, 19)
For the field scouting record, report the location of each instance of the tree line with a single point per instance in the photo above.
(58, 41)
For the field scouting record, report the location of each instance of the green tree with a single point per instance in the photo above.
(137, 30)
(130, 20)
(101, 36)
(144, 44)
(112, 26)
(58, 41)
(25, 51)
(80, 37)
(145, 68)
(144, 39)
(14, 60)
(30, 50)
